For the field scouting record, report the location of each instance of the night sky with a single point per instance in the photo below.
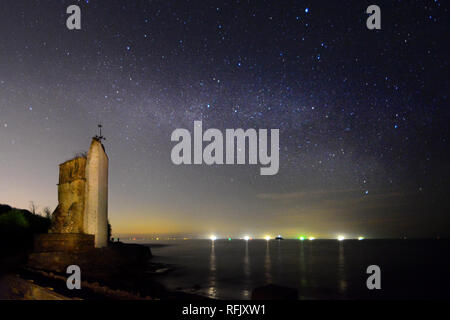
(363, 115)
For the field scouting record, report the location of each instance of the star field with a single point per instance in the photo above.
(363, 115)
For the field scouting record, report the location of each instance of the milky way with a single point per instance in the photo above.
(363, 114)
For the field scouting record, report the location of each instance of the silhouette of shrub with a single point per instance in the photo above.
(17, 228)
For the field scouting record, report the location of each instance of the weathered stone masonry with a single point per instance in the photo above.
(83, 195)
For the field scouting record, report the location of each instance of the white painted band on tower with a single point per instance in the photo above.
(96, 194)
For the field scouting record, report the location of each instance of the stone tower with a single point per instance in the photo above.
(68, 216)
(96, 193)
(83, 197)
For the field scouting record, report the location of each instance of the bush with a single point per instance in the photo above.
(17, 228)
(14, 219)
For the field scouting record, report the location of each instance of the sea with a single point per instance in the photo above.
(318, 269)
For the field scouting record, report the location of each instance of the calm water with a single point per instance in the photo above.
(319, 269)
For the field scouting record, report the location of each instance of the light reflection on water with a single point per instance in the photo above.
(246, 262)
(212, 291)
(327, 269)
(302, 266)
(341, 269)
(267, 265)
(246, 294)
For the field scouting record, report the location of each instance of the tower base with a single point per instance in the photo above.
(52, 242)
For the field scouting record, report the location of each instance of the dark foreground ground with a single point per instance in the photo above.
(121, 284)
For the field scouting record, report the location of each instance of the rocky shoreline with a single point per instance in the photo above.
(121, 272)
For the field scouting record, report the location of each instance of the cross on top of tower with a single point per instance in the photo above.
(99, 137)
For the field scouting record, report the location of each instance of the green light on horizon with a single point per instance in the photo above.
(229, 239)
(302, 238)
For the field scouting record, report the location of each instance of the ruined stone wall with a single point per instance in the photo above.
(68, 216)
(83, 195)
(55, 242)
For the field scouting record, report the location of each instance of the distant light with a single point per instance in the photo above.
(213, 238)
(360, 238)
(307, 10)
(341, 238)
(267, 238)
(246, 238)
(311, 238)
(229, 239)
(302, 238)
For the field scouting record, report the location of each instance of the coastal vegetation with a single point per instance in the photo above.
(17, 227)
